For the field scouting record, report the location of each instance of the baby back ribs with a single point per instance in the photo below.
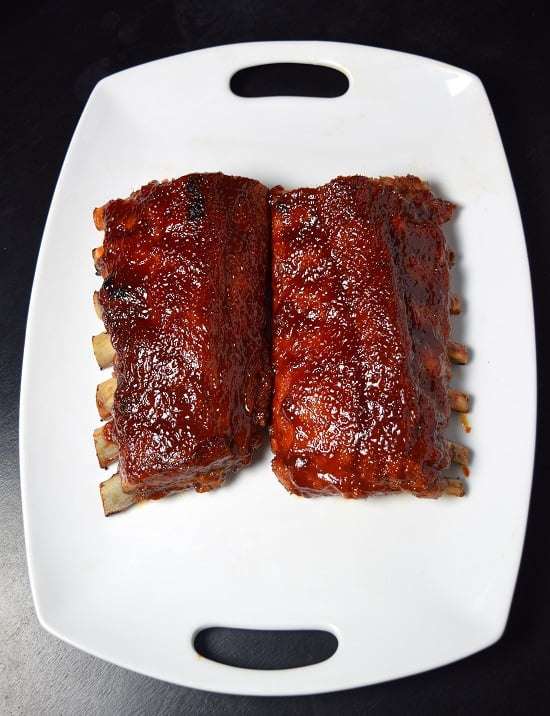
(361, 328)
(183, 302)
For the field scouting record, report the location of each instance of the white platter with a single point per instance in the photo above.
(405, 584)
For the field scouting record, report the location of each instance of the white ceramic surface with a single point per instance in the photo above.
(405, 584)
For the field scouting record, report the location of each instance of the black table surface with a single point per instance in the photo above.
(52, 54)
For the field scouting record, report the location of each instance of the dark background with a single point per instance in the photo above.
(52, 54)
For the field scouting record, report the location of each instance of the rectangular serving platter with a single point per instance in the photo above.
(404, 584)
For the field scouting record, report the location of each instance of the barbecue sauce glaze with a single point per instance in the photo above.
(183, 299)
(360, 329)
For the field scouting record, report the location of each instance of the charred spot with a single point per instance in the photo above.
(125, 405)
(195, 210)
(116, 292)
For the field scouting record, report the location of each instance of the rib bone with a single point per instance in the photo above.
(459, 400)
(96, 255)
(97, 307)
(453, 486)
(114, 500)
(106, 449)
(103, 349)
(455, 305)
(104, 396)
(459, 453)
(457, 352)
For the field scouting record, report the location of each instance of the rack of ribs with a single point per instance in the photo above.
(184, 266)
(361, 339)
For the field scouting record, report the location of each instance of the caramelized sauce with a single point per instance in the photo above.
(183, 299)
(360, 326)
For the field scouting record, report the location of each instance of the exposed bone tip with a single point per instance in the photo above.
(453, 486)
(459, 453)
(455, 305)
(113, 498)
(103, 349)
(460, 401)
(106, 450)
(457, 352)
(105, 395)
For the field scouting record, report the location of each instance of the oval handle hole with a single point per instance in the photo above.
(265, 648)
(289, 79)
